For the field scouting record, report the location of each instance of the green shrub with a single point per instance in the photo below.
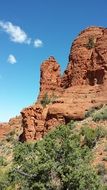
(102, 172)
(10, 136)
(101, 169)
(21, 151)
(2, 161)
(100, 132)
(4, 182)
(3, 185)
(100, 115)
(46, 100)
(58, 162)
(91, 136)
(90, 44)
(90, 112)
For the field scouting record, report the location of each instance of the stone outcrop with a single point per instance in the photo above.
(33, 122)
(87, 59)
(50, 78)
(76, 101)
(82, 86)
(14, 124)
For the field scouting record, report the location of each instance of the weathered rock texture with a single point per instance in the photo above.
(50, 78)
(87, 65)
(33, 122)
(82, 86)
(14, 124)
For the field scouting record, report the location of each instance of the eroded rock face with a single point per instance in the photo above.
(82, 86)
(33, 122)
(50, 78)
(14, 124)
(87, 59)
(76, 101)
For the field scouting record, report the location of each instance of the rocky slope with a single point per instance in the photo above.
(14, 124)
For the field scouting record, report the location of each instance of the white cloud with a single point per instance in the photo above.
(11, 59)
(15, 32)
(38, 43)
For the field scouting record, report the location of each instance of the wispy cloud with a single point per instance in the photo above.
(15, 33)
(11, 59)
(38, 43)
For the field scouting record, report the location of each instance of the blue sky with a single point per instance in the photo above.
(31, 31)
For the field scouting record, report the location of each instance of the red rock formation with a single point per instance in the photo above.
(33, 122)
(76, 101)
(50, 78)
(13, 124)
(82, 86)
(87, 64)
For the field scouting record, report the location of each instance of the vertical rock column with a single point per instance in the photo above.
(50, 78)
(33, 123)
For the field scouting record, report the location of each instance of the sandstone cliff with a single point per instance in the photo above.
(82, 86)
(87, 59)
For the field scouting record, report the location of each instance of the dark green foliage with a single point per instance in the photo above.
(58, 162)
(90, 44)
(21, 150)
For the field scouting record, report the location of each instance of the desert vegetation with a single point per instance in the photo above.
(90, 44)
(62, 160)
(47, 100)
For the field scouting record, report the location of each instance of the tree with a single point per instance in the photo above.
(58, 162)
